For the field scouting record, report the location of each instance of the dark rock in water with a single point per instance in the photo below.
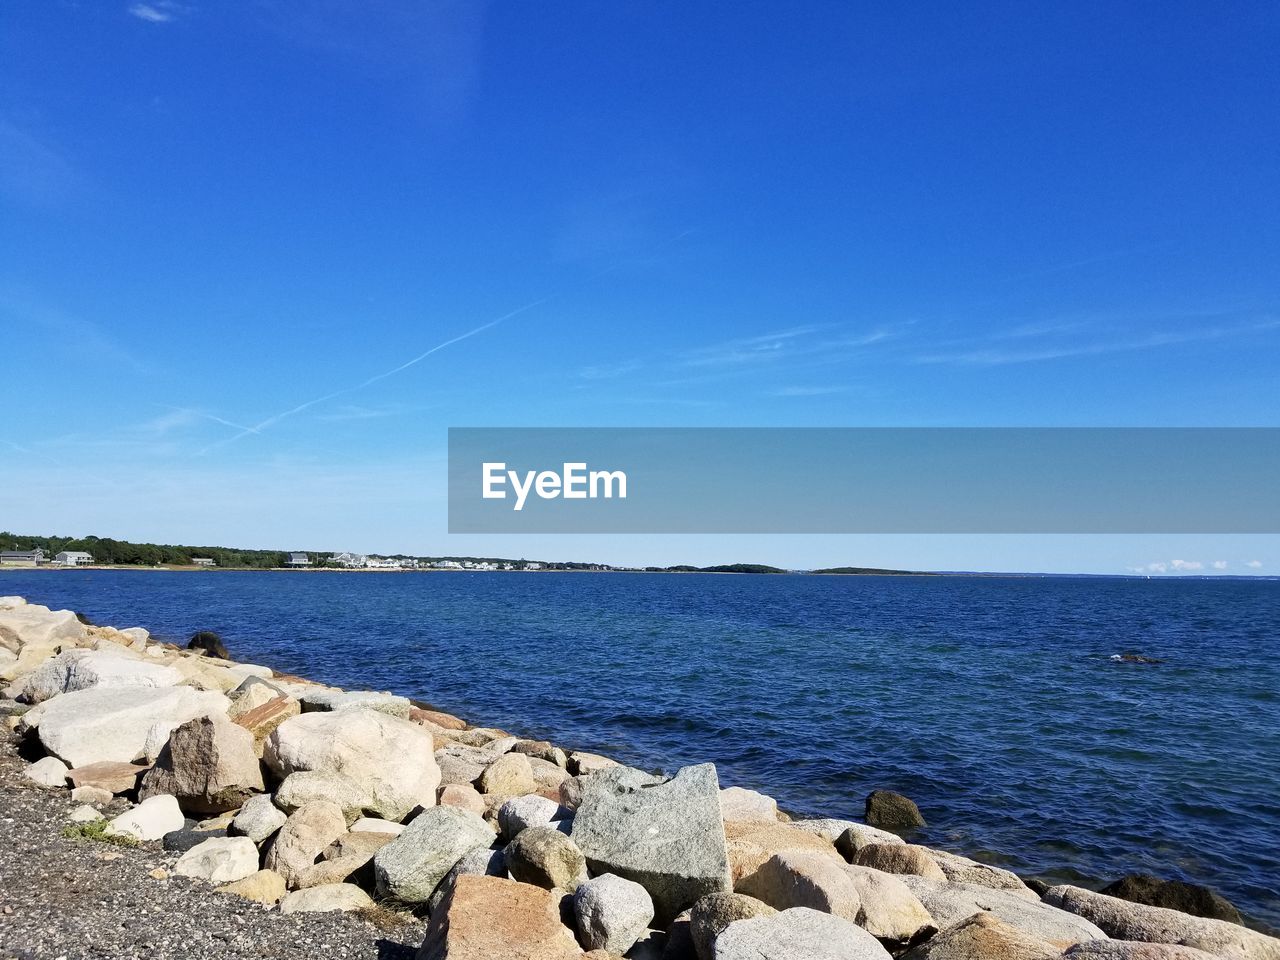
(892, 811)
(210, 643)
(180, 841)
(84, 619)
(1173, 895)
(1130, 657)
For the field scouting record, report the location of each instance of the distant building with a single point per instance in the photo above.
(447, 565)
(21, 558)
(352, 561)
(533, 566)
(73, 558)
(204, 561)
(298, 560)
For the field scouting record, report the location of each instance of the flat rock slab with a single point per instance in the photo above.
(984, 935)
(489, 918)
(952, 903)
(797, 934)
(666, 835)
(1124, 920)
(112, 776)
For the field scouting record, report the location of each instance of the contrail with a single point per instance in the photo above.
(283, 415)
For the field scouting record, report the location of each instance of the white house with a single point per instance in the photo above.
(21, 558)
(73, 558)
(204, 561)
(298, 560)
(352, 561)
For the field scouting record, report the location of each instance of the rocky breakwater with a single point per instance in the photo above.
(306, 799)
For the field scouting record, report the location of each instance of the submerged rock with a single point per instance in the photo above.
(1189, 898)
(209, 643)
(666, 835)
(892, 811)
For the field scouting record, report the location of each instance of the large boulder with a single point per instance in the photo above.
(304, 836)
(88, 726)
(219, 860)
(751, 843)
(960, 869)
(1132, 950)
(951, 903)
(88, 669)
(890, 911)
(392, 759)
(892, 811)
(611, 913)
(509, 775)
(326, 899)
(545, 857)
(984, 936)
(710, 915)
(900, 858)
(258, 819)
(411, 866)
(30, 624)
(1124, 920)
(149, 820)
(520, 813)
(299, 789)
(797, 934)
(208, 764)
(1189, 898)
(804, 879)
(666, 835)
(326, 699)
(261, 721)
(739, 804)
(490, 918)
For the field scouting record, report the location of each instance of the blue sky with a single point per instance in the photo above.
(230, 232)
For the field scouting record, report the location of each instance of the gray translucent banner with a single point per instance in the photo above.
(856, 480)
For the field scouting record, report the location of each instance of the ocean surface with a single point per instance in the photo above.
(990, 701)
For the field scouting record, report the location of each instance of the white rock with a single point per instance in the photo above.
(8, 603)
(48, 772)
(258, 819)
(84, 814)
(376, 825)
(112, 724)
(797, 934)
(325, 898)
(220, 860)
(149, 820)
(531, 810)
(740, 804)
(612, 913)
(31, 624)
(393, 759)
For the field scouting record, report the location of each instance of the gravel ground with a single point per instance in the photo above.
(73, 899)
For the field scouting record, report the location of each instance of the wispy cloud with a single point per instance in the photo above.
(1253, 564)
(1219, 564)
(1068, 340)
(158, 11)
(749, 350)
(1186, 564)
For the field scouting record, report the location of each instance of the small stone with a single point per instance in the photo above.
(892, 811)
(48, 772)
(545, 857)
(149, 820)
(519, 813)
(900, 858)
(258, 819)
(92, 795)
(612, 913)
(220, 860)
(265, 886)
(159, 873)
(326, 899)
(84, 814)
(509, 775)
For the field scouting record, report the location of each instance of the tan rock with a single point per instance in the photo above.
(489, 918)
(545, 857)
(326, 899)
(510, 775)
(890, 911)
(751, 844)
(582, 763)
(437, 717)
(302, 839)
(463, 796)
(799, 878)
(92, 795)
(984, 937)
(262, 720)
(710, 915)
(900, 858)
(740, 805)
(265, 886)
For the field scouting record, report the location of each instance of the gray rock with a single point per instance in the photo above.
(612, 913)
(301, 788)
(1124, 920)
(532, 810)
(411, 866)
(84, 814)
(713, 913)
(326, 898)
(481, 862)
(304, 836)
(666, 835)
(48, 772)
(258, 819)
(1192, 898)
(89, 669)
(952, 903)
(1132, 950)
(892, 811)
(963, 870)
(219, 860)
(859, 835)
(545, 857)
(797, 934)
(455, 769)
(180, 841)
(325, 699)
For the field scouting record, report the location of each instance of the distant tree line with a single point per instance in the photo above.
(108, 551)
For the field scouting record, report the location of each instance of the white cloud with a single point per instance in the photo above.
(160, 11)
(1158, 567)
(1219, 564)
(1186, 564)
(1254, 564)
